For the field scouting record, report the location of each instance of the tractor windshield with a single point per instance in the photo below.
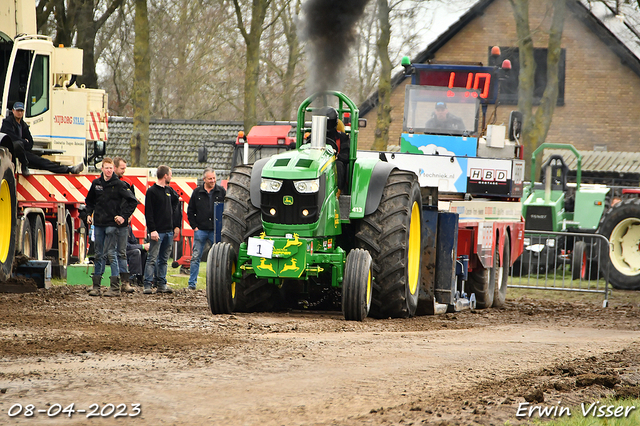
(441, 110)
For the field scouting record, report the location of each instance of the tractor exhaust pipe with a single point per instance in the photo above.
(318, 131)
(547, 186)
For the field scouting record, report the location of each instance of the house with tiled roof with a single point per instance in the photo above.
(176, 142)
(597, 107)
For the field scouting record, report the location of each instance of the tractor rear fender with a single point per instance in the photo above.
(369, 180)
(256, 176)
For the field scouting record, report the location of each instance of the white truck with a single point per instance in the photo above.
(41, 213)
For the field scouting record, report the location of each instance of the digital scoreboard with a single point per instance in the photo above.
(481, 81)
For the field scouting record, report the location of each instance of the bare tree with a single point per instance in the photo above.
(115, 41)
(282, 54)
(384, 85)
(252, 38)
(536, 125)
(140, 137)
(78, 20)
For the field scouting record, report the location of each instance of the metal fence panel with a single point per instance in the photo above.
(564, 261)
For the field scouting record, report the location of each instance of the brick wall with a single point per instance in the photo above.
(601, 94)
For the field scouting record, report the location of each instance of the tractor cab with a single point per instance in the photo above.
(299, 189)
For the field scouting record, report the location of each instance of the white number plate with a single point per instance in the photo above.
(260, 248)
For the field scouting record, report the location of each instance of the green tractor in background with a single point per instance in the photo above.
(290, 239)
(558, 207)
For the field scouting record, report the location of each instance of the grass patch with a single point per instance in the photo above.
(174, 278)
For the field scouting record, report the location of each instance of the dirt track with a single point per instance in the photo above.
(185, 366)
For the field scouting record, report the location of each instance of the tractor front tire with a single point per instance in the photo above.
(579, 261)
(392, 236)
(621, 225)
(221, 289)
(356, 287)
(241, 220)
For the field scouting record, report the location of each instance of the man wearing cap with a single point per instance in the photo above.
(443, 120)
(15, 127)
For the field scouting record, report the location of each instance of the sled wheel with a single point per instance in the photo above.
(500, 273)
(27, 248)
(38, 236)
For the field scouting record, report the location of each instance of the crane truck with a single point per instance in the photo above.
(41, 214)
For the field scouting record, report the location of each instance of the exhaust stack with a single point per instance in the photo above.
(318, 132)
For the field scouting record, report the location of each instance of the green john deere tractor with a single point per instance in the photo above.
(290, 239)
(584, 209)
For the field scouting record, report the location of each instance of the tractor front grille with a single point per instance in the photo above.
(539, 218)
(289, 205)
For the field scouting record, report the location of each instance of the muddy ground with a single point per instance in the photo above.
(185, 366)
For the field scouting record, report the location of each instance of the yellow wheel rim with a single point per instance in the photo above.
(625, 247)
(413, 253)
(233, 283)
(5, 220)
(368, 299)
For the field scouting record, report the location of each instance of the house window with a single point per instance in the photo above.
(509, 86)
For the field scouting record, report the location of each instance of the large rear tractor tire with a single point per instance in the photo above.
(392, 235)
(621, 225)
(356, 287)
(499, 274)
(8, 214)
(241, 220)
(221, 289)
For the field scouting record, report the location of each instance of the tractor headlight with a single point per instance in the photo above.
(307, 186)
(270, 185)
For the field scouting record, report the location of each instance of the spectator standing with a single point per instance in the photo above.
(201, 215)
(162, 213)
(109, 203)
(122, 234)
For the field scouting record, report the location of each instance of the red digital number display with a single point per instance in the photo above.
(469, 80)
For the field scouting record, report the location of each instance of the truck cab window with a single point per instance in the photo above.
(37, 100)
(20, 77)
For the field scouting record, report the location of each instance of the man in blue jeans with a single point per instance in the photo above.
(201, 215)
(162, 213)
(110, 203)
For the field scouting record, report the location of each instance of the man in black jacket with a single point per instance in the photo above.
(120, 166)
(15, 127)
(201, 216)
(163, 216)
(111, 203)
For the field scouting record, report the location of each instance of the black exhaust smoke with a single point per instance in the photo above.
(329, 29)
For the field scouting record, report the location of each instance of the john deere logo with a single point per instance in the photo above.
(287, 200)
